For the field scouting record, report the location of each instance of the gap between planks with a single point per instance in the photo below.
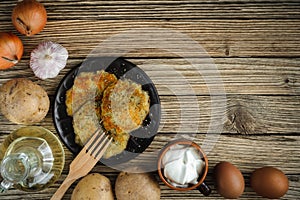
(220, 38)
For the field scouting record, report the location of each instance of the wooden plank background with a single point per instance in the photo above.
(254, 44)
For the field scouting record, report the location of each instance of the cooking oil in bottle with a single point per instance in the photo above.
(33, 159)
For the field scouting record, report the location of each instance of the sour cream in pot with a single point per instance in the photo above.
(182, 165)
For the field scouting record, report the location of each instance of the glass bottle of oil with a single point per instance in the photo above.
(31, 159)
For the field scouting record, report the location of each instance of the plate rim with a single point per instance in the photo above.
(63, 85)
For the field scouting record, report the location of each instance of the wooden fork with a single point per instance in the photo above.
(84, 162)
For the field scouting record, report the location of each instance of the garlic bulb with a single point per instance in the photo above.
(48, 59)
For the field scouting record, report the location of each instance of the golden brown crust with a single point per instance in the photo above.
(69, 101)
(124, 107)
(85, 122)
(81, 99)
(87, 86)
(120, 105)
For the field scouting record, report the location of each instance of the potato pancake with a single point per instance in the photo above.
(82, 100)
(124, 107)
(85, 122)
(87, 86)
(121, 106)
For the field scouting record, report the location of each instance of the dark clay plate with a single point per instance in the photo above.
(139, 139)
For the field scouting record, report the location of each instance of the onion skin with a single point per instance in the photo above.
(11, 50)
(29, 17)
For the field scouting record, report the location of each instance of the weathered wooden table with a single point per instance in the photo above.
(254, 44)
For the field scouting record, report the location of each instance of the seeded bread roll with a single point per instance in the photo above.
(23, 102)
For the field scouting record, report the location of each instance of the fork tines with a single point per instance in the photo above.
(97, 144)
(84, 162)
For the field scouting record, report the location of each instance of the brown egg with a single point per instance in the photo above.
(269, 182)
(229, 180)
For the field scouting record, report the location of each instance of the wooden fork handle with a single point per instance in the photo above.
(62, 189)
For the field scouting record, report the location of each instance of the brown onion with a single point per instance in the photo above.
(29, 17)
(11, 50)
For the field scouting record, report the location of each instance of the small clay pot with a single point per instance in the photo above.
(201, 185)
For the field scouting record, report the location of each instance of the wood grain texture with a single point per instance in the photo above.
(220, 38)
(247, 152)
(255, 48)
(249, 76)
(191, 9)
(247, 84)
(243, 115)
